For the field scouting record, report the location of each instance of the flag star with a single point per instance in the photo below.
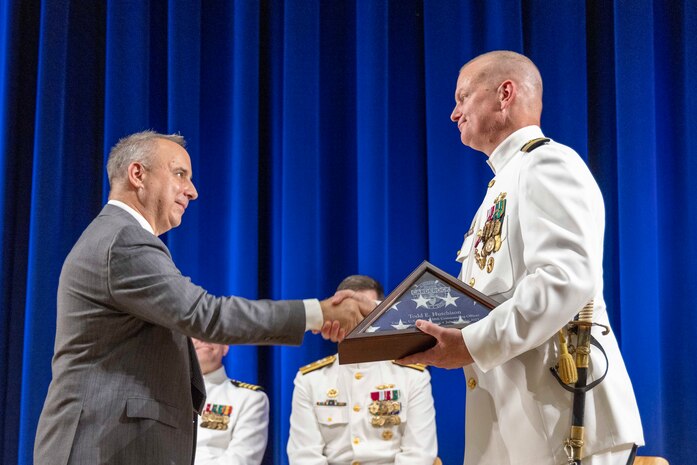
(372, 329)
(394, 307)
(421, 302)
(400, 325)
(460, 321)
(450, 300)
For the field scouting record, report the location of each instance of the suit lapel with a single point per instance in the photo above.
(198, 387)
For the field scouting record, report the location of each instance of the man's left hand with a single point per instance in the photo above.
(449, 352)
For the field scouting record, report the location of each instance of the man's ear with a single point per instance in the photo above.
(225, 351)
(506, 93)
(136, 174)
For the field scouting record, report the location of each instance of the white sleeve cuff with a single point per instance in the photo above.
(472, 347)
(313, 315)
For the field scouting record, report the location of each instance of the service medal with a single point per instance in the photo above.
(489, 246)
(497, 227)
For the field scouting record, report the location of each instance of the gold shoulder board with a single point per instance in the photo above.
(415, 366)
(253, 387)
(323, 362)
(533, 144)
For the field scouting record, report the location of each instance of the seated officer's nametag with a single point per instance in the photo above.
(216, 416)
(331, 401)
(428, 293)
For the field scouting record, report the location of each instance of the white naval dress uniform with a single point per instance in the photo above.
(322, 433)
(244, 441)
(547, 266)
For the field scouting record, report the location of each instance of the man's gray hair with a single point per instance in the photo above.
(139, 147)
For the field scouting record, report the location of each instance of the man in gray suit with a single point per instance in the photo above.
(126, 382)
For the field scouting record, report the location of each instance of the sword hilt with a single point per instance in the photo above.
(586, 314)
(583, 341)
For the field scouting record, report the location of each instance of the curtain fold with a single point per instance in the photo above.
(637, 196)
(370, 135)
(321, 146)
(230, 106)
(65, 191)
(20, 25)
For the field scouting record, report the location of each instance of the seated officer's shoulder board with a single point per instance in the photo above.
(413, 366)
(531, 145)
(316, 365)
(240, 384)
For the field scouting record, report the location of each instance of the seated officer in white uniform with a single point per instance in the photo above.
(233, 428)
(365, 413)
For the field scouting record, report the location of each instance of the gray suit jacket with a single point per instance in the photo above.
(126, 381)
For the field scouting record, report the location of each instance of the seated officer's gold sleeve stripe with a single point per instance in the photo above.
(253, 387)
(323, 362)
(415, 366)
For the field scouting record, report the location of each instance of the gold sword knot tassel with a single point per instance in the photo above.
(566, 366)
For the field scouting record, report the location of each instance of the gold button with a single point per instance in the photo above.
(491, 183)
(458, 252)
(356, 440)
(387, 435)
(472, 282)
(472, 383)
(358, 375)
(356, 408)
(356, 463)
(329, 419)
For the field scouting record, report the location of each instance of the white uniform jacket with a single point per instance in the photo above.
(331, 420)
(545, 266)
(247, 409)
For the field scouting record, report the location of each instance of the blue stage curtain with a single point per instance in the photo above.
(321, 145)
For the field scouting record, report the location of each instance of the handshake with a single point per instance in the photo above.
(342, 312)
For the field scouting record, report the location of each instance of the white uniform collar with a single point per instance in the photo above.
(512, 145)
(139, 218)
(216, 377)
